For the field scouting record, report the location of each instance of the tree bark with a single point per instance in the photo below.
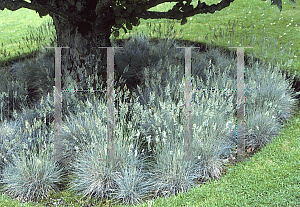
(83, 40)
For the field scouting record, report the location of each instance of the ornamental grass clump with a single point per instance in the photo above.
(139, 53)
(12, 95)
(37, 74)
(124, 179)
(269, 106)
(211, 151)
(30, 135)
(33, 79)
(213, 142)
(149, 130)
(31, 179)
(22, 134)
(9, 130)
(28, 172)
(169, 173)
(211, 139)
(175, 67)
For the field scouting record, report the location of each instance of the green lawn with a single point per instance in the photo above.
(269, 178)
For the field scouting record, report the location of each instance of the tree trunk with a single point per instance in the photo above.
(83, 41)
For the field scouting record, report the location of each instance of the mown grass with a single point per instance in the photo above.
(269, 178)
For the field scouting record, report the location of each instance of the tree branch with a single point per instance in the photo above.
(201, 8)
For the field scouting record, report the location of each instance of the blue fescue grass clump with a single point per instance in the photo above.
(149, 130)
(213, 140)
(149, 145)
(13, 94)
(31, 179)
